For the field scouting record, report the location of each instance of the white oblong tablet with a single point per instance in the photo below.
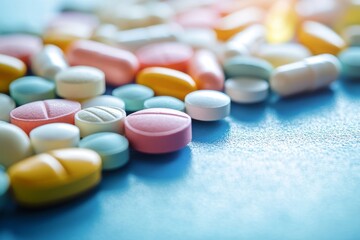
(247, 90)
(207, 105)
(7, 104)
(54, 136)
(105, 101)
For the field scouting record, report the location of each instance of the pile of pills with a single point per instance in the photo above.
(165, 63)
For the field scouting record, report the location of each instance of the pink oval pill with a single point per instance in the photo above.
(206, 71)
(119, 66)
(34, 114)
(158, 130)
(168, 54)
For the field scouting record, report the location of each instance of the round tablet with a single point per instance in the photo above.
(34, 114)
(165, 102)
(158, 130)
(31, 89)
(100, 119)
(207, 105)
(113, 148)
(133, 95)
(4, 185)
(6, 106)
(350, 60)
(15, 144)
(54, 136)
(105, 101)
(166, 54)
(247, 90)
(80, 82)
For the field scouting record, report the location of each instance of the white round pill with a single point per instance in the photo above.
(100, 119)
(54, 136)
(247, 90)
(7, 104)
(81, 82)
(105, 101)
(207, 105)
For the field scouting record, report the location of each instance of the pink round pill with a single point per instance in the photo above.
(158, 130)
(34, 114)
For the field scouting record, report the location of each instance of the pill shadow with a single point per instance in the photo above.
(287, 108)
(117, 179)
(248, 113)
(210, 132)
(351, 87)
(159, 168)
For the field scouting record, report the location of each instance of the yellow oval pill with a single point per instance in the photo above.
(10, 69)
(320, 38)
(166, 81)
(50, 177)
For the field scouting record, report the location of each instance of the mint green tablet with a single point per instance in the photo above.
(134, 96)
(350, 61)
(165, 102)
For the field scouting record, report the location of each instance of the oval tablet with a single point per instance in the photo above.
(100, 119)
(165, 102)
(113, 148)
(207, 105)
(80, 82)
(32, 115)
(166, 81)
(350, 61)
(30, 89)
(4, 185)
(105, 101)
(133, 95)
(6, 106)
(242, 66)
(54, 176)
(158, 130)
(10, 69)
(54, 136)
(247, 90)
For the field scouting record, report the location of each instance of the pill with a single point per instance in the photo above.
(164, 102)
(134, 96)
(4, 186)
(351, 35)
(198, 18)
(100, 119)
(54, 136)
(198, 38)
(320, 39)
(158, 130)
(21, 46)
(207, 105)
(308, 75)
(34, 114)
(246, 66)
(48, 62)
(118, 65)
(10, 69)
(80, 82)
(15, 144)
(7, 104)
(113, 148)
(103, 100)
(237, 21)
(324, 11)
(349, 14)
(30, 89)
(55, 176)
(350, 61)
(247, 90)
(166, 81)
(170, 55)
(281, 54)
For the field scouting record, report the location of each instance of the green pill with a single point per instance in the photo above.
(244, 66)
(165, 102)
(134, 96)
(350, 61)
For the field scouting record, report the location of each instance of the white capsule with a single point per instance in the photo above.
(304, 76)
(247, 90)
(7, 104)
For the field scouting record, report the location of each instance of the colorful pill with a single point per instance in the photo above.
(7, 104)
(320, 39)
(4, 186)
(243, 66)
(15, 144)
(134, 96)
(350, 61)
(34, 114)
(206, 71)
(207, 105)
(30, 89)
(308, 75)
(198, 18)
(55, 176)
(100, 119)
(54, 136)
(81, 82)
(113, 148)
(247, 90)
(10, 69)
(164, 102)
(158, 130)
(105, 101)
(166, 81)
(118, 65)
(48, 62)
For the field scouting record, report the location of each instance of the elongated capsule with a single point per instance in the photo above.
(304, 76)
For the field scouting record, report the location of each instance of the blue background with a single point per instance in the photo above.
(284, 169)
